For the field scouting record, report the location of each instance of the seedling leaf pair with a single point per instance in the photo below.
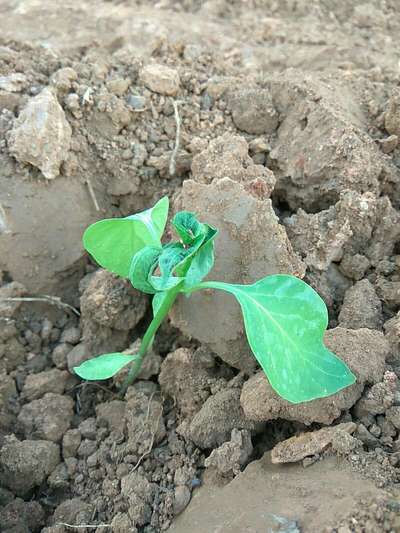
(284, 318)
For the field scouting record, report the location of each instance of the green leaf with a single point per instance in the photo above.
(203, 260)
(187, 226)
(285, 320)
(142, 267)
(172, 254)
(113, 242)
(104, 366)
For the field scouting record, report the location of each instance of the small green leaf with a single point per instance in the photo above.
(172, 254)
(104, 366)
(203, 260)
(187, 226)
(113, 242)
(142, 267)
(285, 320)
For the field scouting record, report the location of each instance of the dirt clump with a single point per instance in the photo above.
(190, 377)
(361, 307)
(213, 424)
(253, 111)
(41, 135)
(26, 464)
(47, 418)
(308, 444)
(229, 458)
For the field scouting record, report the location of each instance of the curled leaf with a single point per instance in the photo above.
(143, 264)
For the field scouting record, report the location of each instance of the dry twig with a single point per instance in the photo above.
(92, 194)
(53, 300)
(91, 526)
(172, 162)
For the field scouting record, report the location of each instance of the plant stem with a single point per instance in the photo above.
(148, 337)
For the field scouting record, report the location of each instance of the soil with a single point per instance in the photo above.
(279, 123)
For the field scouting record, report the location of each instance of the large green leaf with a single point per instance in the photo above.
(103, 366)
(285, 320)
(113, 242)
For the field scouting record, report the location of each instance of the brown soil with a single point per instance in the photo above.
(289, 115)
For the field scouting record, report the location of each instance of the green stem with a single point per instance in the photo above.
(148, 337)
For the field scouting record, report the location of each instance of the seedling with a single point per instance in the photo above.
(284, 318)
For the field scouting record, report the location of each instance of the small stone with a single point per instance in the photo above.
(47, 328)
(379, 398)
(182, 497)
(375, 430)
(73, 511)
(79, 353)
(13, 83)
(112, 302)
(86, 448)
(37, 385)
(71, 335)
(253, 111)
(121, 523)
(389, 144)
(73, 104)
(393, 415)
(220, 414)
(47, 418)
(354, 266)
(231, 455)
(389, 292)
(88, 429)
(315, 442)
(7, 390)
(361, 307)
(41, 134)
(63, 79)
(392, 115)
(118, 86)
(59, 478)
(138, 103)
(366, 437)
(160, 79)
(70, 443)
(59, 355)
(111, 414)
(21, 517)
(25, 465)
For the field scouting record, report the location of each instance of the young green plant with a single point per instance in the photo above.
(284, 318)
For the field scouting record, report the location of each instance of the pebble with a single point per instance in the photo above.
(41, 134)
(182, 497)
(160, 79)
(13, 83)
(138, 103)
(118, 86)
(389, 144)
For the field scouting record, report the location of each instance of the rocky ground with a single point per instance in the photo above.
(276, 122)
